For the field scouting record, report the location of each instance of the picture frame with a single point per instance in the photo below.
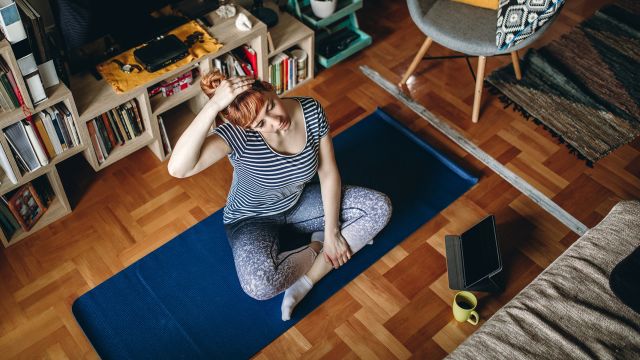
(26, 206)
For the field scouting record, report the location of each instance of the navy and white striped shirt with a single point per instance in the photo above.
(266, 182)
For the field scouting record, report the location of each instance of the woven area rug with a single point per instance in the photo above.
(584, 87)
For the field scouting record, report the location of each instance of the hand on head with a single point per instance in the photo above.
(221, 90)
(229, 89)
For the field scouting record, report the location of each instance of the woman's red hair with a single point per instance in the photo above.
(244, 109)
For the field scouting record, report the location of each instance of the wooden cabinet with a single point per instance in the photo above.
(59, 206)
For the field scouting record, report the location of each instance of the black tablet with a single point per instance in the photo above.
(480, 252)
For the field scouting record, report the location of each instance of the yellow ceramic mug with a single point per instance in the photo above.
(464, 304)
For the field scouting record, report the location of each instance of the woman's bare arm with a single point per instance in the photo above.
(336, 249)
(195, 152)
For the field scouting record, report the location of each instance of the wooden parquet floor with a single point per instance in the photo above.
(398, 308)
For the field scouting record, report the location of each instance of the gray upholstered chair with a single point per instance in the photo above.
(466, 29)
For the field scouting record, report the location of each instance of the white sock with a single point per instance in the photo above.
(317, 236)
(293, 295)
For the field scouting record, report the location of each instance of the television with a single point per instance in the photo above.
(92, 31)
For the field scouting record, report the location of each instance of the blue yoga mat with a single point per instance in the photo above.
(184, 300)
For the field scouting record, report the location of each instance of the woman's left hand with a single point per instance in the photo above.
(336, 249)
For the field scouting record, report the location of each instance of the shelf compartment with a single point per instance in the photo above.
(343, 8)
(122, 151)
(55, 211)
(176, 122)
(58, 208)
(160, 104)
(55, 94)
(287, 33)
(363, 41)
(7, 185)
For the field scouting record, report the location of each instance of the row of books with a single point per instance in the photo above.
(10, 96)
(22, 208)
(114, 128)
(39, 138)
(242, 61)
(287, 69)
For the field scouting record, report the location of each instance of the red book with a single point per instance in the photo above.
(247, 69)
(14, 85)
(94, 140)
(252, 57)
(110, 134)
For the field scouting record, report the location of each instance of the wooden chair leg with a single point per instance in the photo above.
(416, 60)
(482, 60)
(516, 64)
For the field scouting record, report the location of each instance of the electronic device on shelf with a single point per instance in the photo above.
(163, 51)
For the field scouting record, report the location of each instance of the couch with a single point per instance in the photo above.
(569, 310)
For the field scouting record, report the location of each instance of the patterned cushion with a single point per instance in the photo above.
(519, 19)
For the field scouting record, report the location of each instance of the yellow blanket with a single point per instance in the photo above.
(123, 82)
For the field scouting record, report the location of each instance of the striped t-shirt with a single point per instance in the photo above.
(266, 182)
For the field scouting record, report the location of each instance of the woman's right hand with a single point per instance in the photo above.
(229, 89)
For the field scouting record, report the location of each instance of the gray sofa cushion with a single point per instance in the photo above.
(569, 311)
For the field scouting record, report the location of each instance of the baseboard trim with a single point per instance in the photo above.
(516, 181)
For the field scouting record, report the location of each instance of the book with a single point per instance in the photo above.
(17, 136)
(22, 165)
(132, 107)
(51, 131)
(5, 67)
(5, 100)
(252, 56)
(44, 135)
(113, 135)
(9, 222)
(35, 142)
(69, 123)
(11, 23)
(4, 79)
(117, 126)
(94, 141)
(6, 166)
(103, 136)
(26, 206)
(29, 26)
(126, 120)
(121, 123)
(63, 126)
(35, 30)
(166, 145)
(56, 125)
(136, 110)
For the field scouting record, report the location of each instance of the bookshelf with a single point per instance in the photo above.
(94, 97)
(290, 32)
(89, 98)
(57, 94)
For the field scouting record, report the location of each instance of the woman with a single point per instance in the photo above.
(276, 146)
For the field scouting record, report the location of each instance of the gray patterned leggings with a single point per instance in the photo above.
(264, 271)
